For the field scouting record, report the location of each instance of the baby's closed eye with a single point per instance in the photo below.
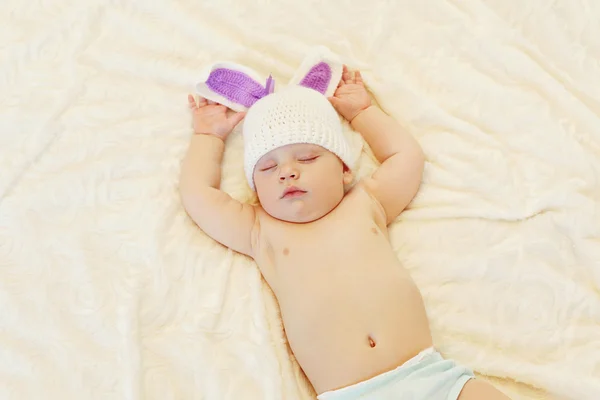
(267, 167)
(307, 159)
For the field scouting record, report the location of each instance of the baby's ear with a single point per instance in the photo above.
(232, 85)
(321, 70)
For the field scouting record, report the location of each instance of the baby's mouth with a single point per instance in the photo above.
(292, 192)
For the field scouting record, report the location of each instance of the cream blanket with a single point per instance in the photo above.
(107, 289)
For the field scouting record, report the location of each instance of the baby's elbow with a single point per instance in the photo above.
(412, 157)
(419, 153)
(189, 202)
(185, 195)
(416, 161)
(420, 162)
(194, 201)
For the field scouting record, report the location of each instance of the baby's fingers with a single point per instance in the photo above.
(358, 78)
(202, 102)
(191, 102)
(344, 70)
(346, 75)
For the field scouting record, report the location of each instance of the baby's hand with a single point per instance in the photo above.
(211, 118)
(351, 96)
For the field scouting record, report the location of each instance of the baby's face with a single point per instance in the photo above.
(300, 182)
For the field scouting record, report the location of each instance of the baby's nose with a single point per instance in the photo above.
(288, 175)
(288, 172)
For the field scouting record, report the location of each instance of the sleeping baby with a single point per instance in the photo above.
(353, 316)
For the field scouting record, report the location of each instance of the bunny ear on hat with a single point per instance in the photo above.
(233, 85)
(239, 87)
(321, 70)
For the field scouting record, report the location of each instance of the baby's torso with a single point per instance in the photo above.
(349, 308)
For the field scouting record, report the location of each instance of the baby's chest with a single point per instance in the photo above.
(333, 233)
(345, 234)
(299, 262)
(323, 243)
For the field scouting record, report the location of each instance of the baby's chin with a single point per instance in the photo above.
(298, 213)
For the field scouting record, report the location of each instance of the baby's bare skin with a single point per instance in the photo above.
(350, 310)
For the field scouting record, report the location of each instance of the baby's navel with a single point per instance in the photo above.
(286, 251)
(372, 341)
(374, 230)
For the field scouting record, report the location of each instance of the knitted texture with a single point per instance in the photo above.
(294, 115)
(318, 78)
(235, 86)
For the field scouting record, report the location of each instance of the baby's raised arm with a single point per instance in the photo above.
(397, 180)
(221, 217)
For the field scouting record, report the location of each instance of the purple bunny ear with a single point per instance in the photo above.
(318, 77)
(321, 70)
(234, 86)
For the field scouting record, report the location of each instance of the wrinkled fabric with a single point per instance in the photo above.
(109, 291)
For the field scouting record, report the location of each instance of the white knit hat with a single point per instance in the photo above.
(299, 113)
(294, 115)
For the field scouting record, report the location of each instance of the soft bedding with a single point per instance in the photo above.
(108, 290)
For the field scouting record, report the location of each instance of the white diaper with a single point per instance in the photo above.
(427, 376)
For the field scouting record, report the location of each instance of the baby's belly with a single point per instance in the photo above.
(348, 324)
